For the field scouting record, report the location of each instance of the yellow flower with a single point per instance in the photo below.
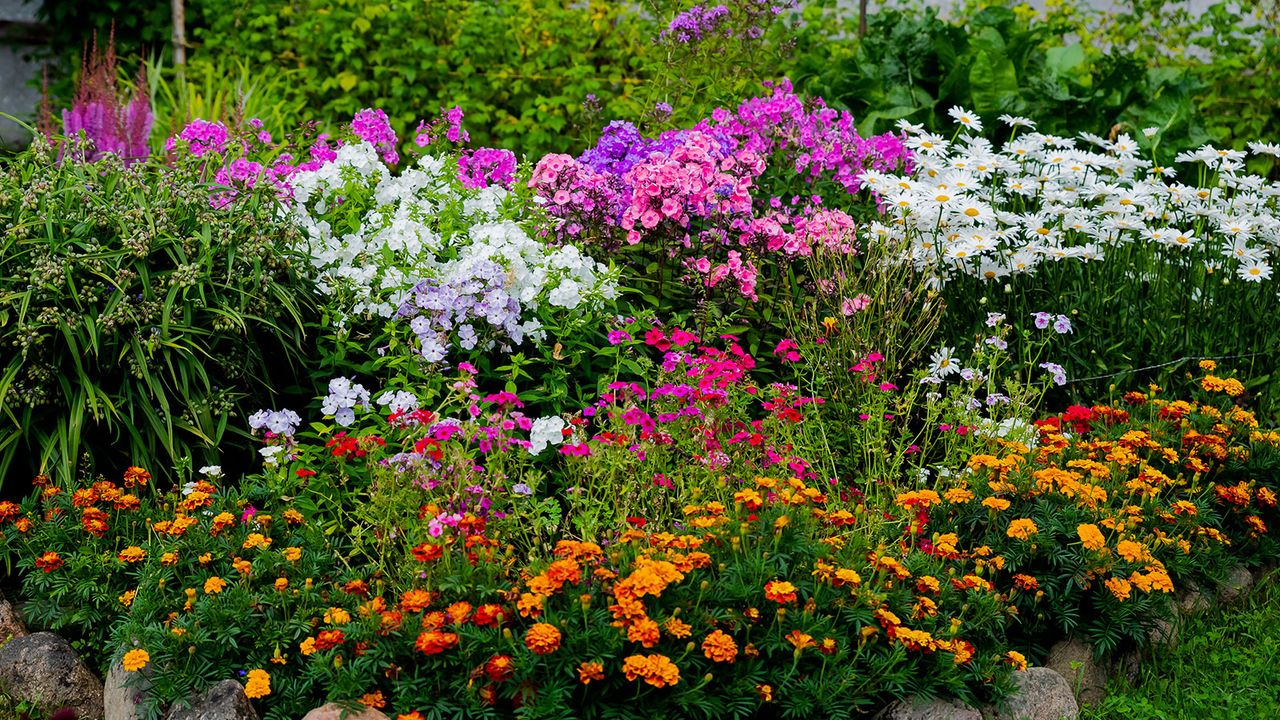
(214, 585)
(258, 684)
(292, 554)
(282, 584)
(135, 660)
(1091, 536)
(127, 598)
(308, 646)
(256, 540)
(1022, 529)
(169, 558)
(1016, 659)
(996, 504)
(337, 616)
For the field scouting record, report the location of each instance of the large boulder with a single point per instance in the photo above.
(43, 670)
(1041, 694)
(936, 709)
(334, 711)
(1074, 660)
(224, 701)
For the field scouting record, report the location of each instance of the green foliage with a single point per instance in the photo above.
(521, 69)
(915, 66)
(138, 321)
(1223, 666)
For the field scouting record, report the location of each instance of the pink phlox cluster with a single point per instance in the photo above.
(372, 126)
(579, 197)
(201, 137)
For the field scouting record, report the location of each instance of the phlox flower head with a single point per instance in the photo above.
(342, 399)
(281, 422)
(1056, 371)
(546, 431)
(372, 126)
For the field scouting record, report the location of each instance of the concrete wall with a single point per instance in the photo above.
(17, 96)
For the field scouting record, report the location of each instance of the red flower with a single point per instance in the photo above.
(49, 562)
(329, 639)
(637, 521)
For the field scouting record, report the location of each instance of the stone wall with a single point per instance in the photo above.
(18, 97)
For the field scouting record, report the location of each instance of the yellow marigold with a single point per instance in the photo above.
(214, 585)
(765, 692)
(337, 616)
(719, 647)
(135, 660)
(242, 566)
(256, 540)
(132, 554)
(257, 685)
(1091, 536)
(374, 700)
(845, 576)
(800, 640)
(996, 504)
(1119, 587)
(1016, 659)
(1022, 529)
(308, 646)
(169, 558)
(127, 598)
(543, 639)
(292, 554)
(780, 591)
(282, 584)
(958, 496)
(657, 670)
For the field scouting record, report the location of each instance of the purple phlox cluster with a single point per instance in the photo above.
(113, 126)
(462, 308)
(818, 141)
(1061, 323)
(279, 422)
(579, 196)
(344, 396)
(1059, 374)
(697, 22)
(485, 166)
(372, 126)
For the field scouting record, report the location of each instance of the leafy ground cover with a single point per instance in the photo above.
(1224, 666)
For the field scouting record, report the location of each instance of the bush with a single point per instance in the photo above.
(140, 322)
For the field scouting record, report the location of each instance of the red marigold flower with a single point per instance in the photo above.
(49, 562)
(434, 642)
(329, 639)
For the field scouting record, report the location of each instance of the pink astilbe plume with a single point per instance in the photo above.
(110, 124)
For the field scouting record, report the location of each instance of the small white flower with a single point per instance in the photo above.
(942, 364)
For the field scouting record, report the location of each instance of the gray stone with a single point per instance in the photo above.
(1164, 633)
(11, 625)
(334, 711)
(1074, 660)
(223, 701)
(123, 693)
(1041, 694)
(936, 709)
(1129, 665)
(1236, 586)
(42, 669)
(1191, 601)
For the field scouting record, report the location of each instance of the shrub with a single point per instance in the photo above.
(139, 321)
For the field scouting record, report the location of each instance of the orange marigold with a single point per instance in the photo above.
(132, 554)
(657, 670)
(1022, 529)
(543, 639)
(434, 642)
(643, 631)
(214, 585)
(258, 684)
(720, 647)
(1090, 536)
(589, 671)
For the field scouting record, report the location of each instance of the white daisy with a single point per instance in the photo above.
(1255, 271)
(966, 119)
(942, 363)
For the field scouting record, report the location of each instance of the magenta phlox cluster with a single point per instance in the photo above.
(483, 167)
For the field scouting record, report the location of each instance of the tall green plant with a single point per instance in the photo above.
(137, 320)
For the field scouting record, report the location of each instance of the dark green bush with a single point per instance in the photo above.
(136, 320)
